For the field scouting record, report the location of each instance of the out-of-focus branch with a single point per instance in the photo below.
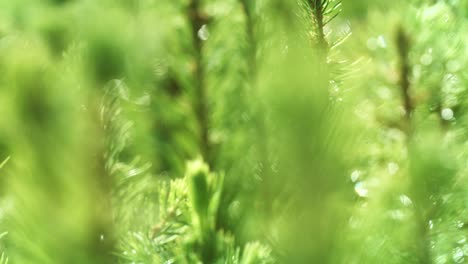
(197, 21)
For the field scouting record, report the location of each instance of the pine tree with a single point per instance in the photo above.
(233, 131)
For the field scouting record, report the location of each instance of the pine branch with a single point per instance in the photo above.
(317, 7)
(265, 171)
(251, 38)
(322, 13)
(405, 69)
(423, 212)
(197, 20)
(320, 10)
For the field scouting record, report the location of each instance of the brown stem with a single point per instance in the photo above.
(197, 20)
(403, 52)
(423, 217)
(318, 9)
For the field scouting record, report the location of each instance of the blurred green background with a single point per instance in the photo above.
(233, 131)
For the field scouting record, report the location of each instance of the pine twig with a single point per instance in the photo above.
(322, 13)
(403, 52)
(197, 20)
(157, 228)
(320, 10)
(261, 131)
(251, 38)
(403, 45)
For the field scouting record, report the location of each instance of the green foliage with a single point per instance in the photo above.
(233, 131)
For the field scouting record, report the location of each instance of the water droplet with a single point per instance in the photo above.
(102, 237)
(458, 255)
(361, 190)
(447, 114)
(405, 200)
(392, 168)
(334, 88)
(203, 33)
(381, 42)
(426, 59)
(431, 224)
(355, 175)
